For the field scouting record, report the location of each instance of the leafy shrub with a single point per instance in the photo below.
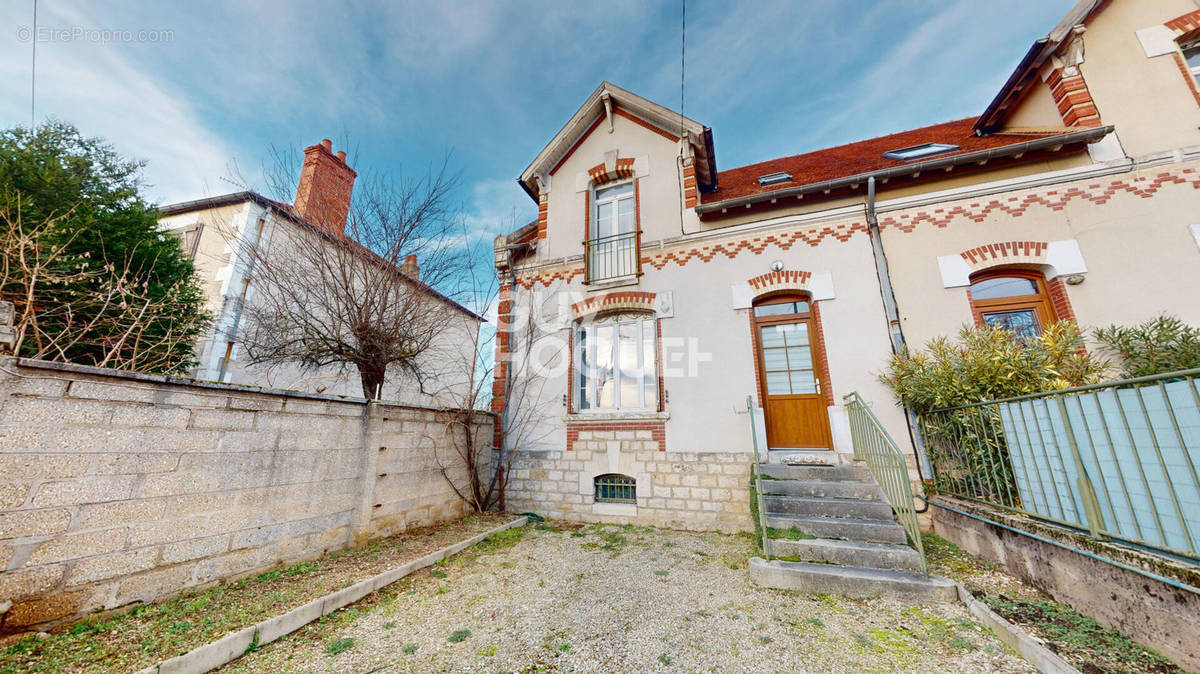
(966, 446)
(1163, 344)
(990, 363)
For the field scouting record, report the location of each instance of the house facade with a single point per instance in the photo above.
(668, 316)
(221, 233)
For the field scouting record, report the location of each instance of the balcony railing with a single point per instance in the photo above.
(1120, 460)
(612, 257)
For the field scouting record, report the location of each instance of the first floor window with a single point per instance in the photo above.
(614, 488)
(612, 243)
(1014, 300)
(616, 363)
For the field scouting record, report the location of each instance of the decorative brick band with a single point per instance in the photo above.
(1074, 101)
(1144, 186)
(1005, 252)
(1183, 24)
(600, 174)
(623, 300)
(780, 280)
(658, 430)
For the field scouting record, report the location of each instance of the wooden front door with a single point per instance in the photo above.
(792, 383)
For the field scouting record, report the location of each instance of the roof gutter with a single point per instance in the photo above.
(1089, 135)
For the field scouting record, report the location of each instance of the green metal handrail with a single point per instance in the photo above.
(758, 494)
(873, 445)
(1130, 446)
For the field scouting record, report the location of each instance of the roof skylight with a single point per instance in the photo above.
(920, 151)
(775, 178)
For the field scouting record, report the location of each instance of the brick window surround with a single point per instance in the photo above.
(821, 353)
(1054, 292)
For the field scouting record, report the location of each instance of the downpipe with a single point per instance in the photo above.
(892, 313)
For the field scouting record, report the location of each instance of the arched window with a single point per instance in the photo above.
(616, 362)
(615, 488)
(1014, 299)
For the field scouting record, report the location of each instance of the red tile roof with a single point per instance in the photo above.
(855, 158)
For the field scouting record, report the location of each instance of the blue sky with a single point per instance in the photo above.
(491, 82)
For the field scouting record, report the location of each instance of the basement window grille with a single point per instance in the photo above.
(920, 151)
(614, 488)
(775, 178)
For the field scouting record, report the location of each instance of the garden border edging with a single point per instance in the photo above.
(232, 646)
(1016, 638)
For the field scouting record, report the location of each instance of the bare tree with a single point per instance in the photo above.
(327, 296)
(111, 311)
(476, 467)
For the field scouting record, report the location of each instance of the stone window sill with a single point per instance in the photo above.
(600, 416)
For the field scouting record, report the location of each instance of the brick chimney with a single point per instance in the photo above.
(326, 183)
(410, 269)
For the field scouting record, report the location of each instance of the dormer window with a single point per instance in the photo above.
(775, 179)
(920, 151)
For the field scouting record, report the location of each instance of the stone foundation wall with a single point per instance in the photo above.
(699, 491)
(118, 488)
(1151, 612)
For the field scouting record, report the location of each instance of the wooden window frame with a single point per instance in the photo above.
(816, 341)
(579, 376)
(591, 215)
(1183, 50)
(1041, 303)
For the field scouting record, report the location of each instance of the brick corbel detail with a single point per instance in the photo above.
(1073, 98)
(690, 195)
(600, 174)
(1005, 252)
(622, 300)
(780, 280)
(543, 215)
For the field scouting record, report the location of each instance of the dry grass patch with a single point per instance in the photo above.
(147, 634)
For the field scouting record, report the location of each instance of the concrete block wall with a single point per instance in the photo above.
(1152, 612)
(118, 488)
(699, 491)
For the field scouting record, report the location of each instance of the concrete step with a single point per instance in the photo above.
(875, 531)
(828, 507)
(868, 491)
(849, 553)
(823, 473)
(849, 580)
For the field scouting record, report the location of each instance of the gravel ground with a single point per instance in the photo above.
(558, 597)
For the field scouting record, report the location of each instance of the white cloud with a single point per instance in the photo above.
(106, 94)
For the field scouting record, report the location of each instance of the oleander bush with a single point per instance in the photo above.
(1159, 345)
(966, 446)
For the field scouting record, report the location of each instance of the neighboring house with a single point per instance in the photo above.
(217, 233)
(1076, 194)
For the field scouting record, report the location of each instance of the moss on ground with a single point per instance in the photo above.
(1078, 639)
